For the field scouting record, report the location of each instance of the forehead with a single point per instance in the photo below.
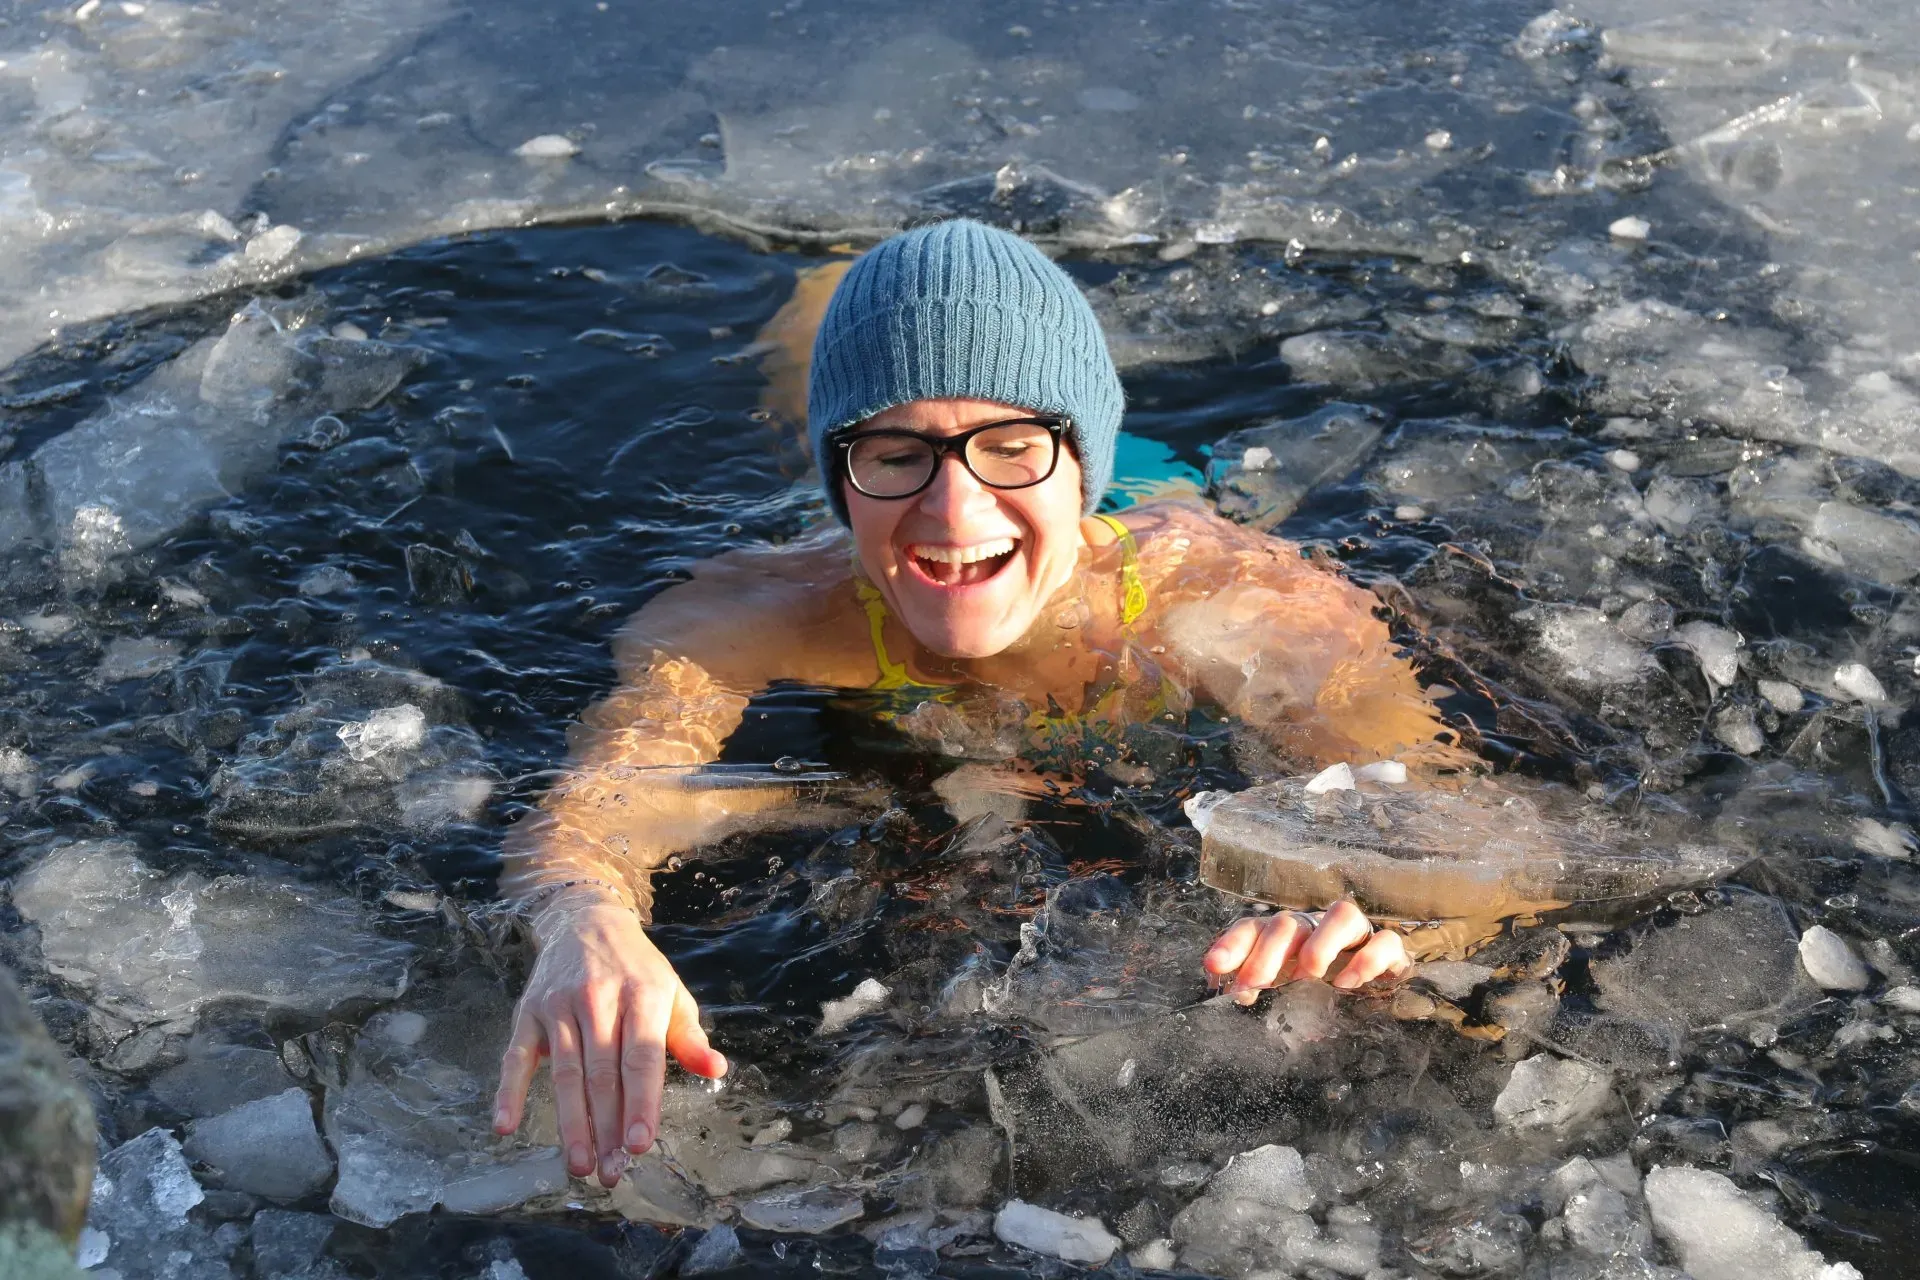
(944, 417)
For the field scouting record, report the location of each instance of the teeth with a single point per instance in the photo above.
(965, 555)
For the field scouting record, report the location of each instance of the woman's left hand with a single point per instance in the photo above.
(1268, 951)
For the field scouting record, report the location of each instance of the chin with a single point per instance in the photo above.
(961, 642)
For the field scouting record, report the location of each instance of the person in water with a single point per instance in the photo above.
(963, 410)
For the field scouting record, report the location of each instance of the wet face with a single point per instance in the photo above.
(964, 566)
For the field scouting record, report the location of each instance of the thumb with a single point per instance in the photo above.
(687, 1040)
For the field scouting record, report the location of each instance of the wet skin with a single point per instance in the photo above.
(1237, 619)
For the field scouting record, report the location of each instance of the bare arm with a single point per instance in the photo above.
(602, 1003)
(1296, 652)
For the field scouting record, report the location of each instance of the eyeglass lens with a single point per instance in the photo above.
(1008, 456)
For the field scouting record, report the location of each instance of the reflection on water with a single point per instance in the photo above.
(255, 766)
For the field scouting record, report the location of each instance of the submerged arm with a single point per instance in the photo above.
(1296, 653)
(602, 1002)
(627, 803)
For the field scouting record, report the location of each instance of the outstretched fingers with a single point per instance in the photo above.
(1231, 949)
(1279, 938)
(1342, 927)
(1384, 955)
(687, 1039)
(643, 1066)
(517, 1066)
(568, 1070)
(600, 1031)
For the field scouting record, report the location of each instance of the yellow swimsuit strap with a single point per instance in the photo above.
(893, 675)
(1133, 592)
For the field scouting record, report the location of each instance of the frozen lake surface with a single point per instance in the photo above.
(326, 473)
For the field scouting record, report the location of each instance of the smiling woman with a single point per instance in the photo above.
(965, 412)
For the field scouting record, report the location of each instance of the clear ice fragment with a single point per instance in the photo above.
(1720, 1233)
(1831, 963)
(1483, 853)
(269, 1147)
(1550, 1093)
(1057, 1235)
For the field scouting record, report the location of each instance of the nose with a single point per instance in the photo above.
(955, 493)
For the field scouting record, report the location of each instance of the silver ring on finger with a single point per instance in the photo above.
(1311, 919)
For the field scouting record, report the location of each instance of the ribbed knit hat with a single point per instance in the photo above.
(963, 309)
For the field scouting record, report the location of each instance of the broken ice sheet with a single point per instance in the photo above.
(194, 431)
(154, 948)
(1476, 856)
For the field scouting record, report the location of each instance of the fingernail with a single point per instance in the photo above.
(612, 1165)
(637, 1138)
(1345, 982)
(578, 1161)
(1245, 998)
(500, 1120)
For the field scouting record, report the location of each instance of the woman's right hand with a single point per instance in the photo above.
(605, 1008)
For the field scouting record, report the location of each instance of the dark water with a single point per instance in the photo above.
(586, 426)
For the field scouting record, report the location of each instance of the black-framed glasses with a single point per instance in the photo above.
(1014, 453)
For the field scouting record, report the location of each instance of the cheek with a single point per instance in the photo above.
(872, 523)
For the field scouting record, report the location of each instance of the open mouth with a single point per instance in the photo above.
(962, 566)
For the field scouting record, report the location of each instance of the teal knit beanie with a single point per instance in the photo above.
(963, 309)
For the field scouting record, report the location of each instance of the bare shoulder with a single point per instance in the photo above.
(1185, 534)
(742, 611)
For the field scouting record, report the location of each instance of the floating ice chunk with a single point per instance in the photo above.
(1624, 460)
(269, 1147)
(1273, 1175)
(1717, 648)
(718, 1250)
(398, 728)
(1336, 777)
(1200, 805)
(141, 1194)
(1280, 462)
(1407, 511)
(548, 146)
(1431, 855)
(272, 246)
(1831, 963)
(155, 948)
(869, 997)
(911, 1116)
(1905, 999)
(325, 580)
(1854, 680)
(508, 1185)
(1155, 1255)
(17, 772)
(1054, 1234)
(779, 1131)
(1601, 1221)
(1454, 979)
(286, 1243)
(431, 800)
(1783, 696)
(1391, 772)
(1630, 228)
(1439, 140)
(91, 1249)
(808, 1212)
(380, 1182)
(1588, 648)
(1552, 1094)
(137, 658)
(1736, 727)
(1882, 840)
(1720, 1233)
(1883, 547)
